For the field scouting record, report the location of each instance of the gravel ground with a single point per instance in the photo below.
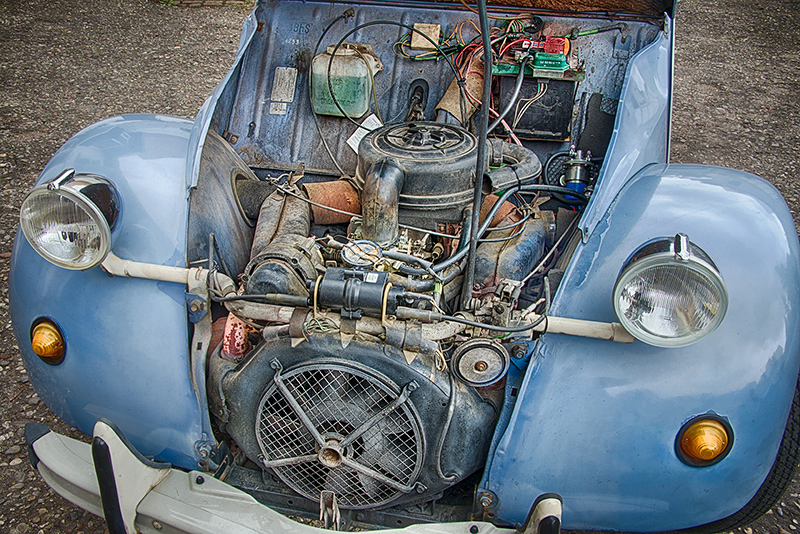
(67, 64)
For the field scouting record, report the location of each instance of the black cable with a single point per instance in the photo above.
(483, 125)
(570, 199)
(511, 329)
(527, 216)
(514, 95)
(501, 239)
(238, 297)
(580, 199)
(348, 13)
(451, 404)
(389, 23)
(286, 300)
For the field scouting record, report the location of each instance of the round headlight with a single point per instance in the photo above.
(670, 293)
(68, 221)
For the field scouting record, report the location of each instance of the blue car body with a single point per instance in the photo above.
(591, 420)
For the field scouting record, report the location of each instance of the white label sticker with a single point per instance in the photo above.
(283, 84)
(277, 108)
(371, 278)
(369, 124)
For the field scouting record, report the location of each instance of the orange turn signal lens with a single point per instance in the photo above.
(47, 341)
(704, 441)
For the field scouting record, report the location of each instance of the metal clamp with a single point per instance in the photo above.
(329, 510)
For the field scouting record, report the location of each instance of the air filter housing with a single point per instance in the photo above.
(438, 161)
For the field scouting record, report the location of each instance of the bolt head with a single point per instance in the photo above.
(486, 500)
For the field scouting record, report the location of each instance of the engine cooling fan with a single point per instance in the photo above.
(340, 427)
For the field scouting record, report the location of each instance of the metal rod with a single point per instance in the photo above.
(369, 423)
(290, 461)
(301, 414)
(364, 470)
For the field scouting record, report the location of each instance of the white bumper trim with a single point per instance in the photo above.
(171, 500)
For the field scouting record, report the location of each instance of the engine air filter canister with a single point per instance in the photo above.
(438, 162)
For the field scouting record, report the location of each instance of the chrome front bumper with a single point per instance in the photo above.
(109, 478)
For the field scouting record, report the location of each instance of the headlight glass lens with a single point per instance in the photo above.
(65, 228)
(667, 299)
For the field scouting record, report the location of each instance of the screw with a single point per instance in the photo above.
(199, 480)
(157, 525)
(473, 529)
(486, 500)
(360, 516)
(518, 351)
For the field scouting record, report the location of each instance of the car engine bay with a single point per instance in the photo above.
(376, 326)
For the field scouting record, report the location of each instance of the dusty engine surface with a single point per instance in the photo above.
(378, 326)
(327, 406)
(365, 393)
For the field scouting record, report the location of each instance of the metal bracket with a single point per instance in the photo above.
(329, 510)
(197, 296)
(347, 329)
(205, 450)
(487, 501)
(230, 137)
(61, 179)
(509, 289)
(197, 307)
(297, 174)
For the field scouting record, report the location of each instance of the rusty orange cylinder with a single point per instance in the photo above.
(339, 194)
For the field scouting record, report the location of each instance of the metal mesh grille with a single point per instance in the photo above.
(336, 400)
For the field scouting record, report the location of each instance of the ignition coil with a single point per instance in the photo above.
(355, 292)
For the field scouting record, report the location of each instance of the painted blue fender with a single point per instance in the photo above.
(596, 421)
(126, 339)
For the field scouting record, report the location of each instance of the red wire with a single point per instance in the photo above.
(511, 44)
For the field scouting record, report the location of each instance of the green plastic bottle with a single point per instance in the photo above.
(350, 79)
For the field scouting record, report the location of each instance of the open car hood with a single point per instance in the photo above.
(636, 7)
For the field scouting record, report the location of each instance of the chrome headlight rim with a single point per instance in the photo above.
(73, 187)
(676, 251)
